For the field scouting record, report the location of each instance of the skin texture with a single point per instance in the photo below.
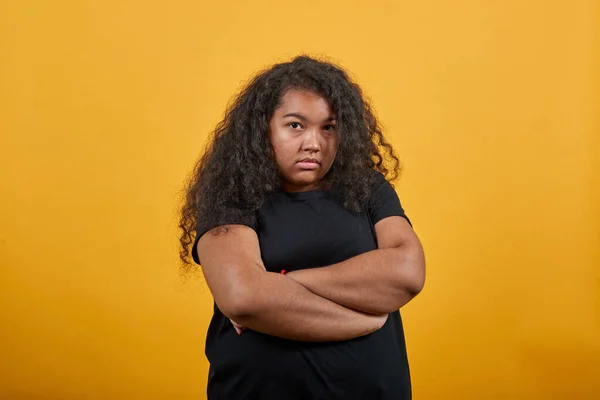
(338, 302)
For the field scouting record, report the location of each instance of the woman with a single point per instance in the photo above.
(303, 243)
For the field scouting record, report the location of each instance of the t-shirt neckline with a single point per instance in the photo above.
(307, 195)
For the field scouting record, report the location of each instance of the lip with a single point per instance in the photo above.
(310, 160)
(308, 163)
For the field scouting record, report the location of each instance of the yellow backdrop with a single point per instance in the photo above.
(492, 105)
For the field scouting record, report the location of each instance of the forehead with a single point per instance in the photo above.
(304, 102)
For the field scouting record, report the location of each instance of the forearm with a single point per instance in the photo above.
(376, 282)
(284, 308)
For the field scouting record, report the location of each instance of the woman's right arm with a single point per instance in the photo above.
(268, 302)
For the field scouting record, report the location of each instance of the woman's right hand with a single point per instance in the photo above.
(238, 328)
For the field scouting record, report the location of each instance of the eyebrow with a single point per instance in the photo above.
(303, 118)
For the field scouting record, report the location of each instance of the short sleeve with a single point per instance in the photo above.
(384, 201)
(230, 216)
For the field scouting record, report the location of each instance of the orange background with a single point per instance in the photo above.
(492, 105)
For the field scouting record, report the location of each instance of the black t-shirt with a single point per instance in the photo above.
(307, 230)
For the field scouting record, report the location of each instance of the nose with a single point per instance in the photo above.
(311, 141)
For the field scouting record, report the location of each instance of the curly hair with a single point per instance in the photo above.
(223, 188)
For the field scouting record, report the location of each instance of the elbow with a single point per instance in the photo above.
(408, 287)
(416, 285)
(404, 294)
(241, 296)
(405, 290)
(238, 304)
(411, 278)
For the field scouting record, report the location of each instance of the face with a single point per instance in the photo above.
(305, 140)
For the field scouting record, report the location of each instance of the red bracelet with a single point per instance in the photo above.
(283, 272)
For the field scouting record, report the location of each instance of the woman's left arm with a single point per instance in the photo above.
(376, 282)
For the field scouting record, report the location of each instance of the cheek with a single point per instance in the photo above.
(281, 152)
(275, 144)
(283, 147)
(332, 147)
(278, 149)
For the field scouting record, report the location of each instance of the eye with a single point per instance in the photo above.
(295, 125)
(329, 128)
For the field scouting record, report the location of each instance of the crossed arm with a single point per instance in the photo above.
(337, 302)
(376, 282)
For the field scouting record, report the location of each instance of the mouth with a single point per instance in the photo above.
(308, 163)
(310, 160)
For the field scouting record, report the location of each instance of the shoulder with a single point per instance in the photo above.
(380, 187)
(378, 177)
(383, 199)
(228, 214)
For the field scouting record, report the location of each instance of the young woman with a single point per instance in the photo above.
(303, 243)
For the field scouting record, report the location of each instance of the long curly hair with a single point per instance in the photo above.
(237, 171)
